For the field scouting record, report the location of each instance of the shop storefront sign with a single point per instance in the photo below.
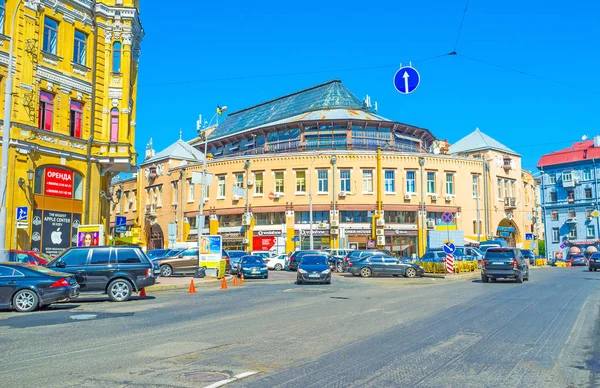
(264, 243)
(506, 229)
(56, 232)
(357, 232)
(231, 235)
(400, 232)
(59, 183)
(316, 232)
(269, 232)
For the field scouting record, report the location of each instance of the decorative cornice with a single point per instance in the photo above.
(62, 79)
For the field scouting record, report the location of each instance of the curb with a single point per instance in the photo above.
(469, 275)
(185, 286)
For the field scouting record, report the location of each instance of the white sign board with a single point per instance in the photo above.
(197, 178)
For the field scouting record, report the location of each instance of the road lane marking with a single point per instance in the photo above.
(231, 380)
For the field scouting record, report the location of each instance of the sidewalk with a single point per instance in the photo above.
(182, 282)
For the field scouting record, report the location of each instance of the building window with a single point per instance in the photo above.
(46, 113)
(323, 178)
(430, 182)
(400, 217)
(79, 48)
(555, 235)
(571, 213)
(50, 35)
(587, 175)
(571, 196)
(300, 181)
(114, 125)
(221, 193)
(367, 181)
(588, 213)
(554, 215)
(191, 190)
(277, 218)
(239, 180)
(475, 185)
(389, 181)
(526, 192)
(588, 193)
(2, 15)
(450, 183)
(512, 188)
(591, 233)
(356, 216)
(573, 233)
(76, 119)
(551, 179)
(116, 68)
(279, 182)
(258, 184)
(205, 189)
(134, 202)
(553, 196)
(175, 198)
(567, 176)
(410, 182)
(345, 181)
(304, 217)
(500, 188)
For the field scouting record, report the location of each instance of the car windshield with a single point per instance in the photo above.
(252, 260)
(173, 252)
(494, 254)
(45, 256)
(236, 254)
(314, 260)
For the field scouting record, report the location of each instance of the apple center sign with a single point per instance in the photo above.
(56, 235)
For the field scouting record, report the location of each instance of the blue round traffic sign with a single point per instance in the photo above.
(449, 248)
(447, 218)
(406, 79)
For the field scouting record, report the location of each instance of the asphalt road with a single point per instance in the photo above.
(356, 332)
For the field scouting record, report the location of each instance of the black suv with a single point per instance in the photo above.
(504, 263)
(117, 271)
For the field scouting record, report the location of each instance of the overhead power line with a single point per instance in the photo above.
(462, 20)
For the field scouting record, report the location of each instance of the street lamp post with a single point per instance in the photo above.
(6, 138)
(333, 161)
(247, 210)
(310, 202)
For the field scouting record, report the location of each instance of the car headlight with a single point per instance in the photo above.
(300, 270)
(327, 271)
(264, 268)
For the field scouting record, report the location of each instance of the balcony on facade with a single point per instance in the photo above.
(151, 210)
(510, 203)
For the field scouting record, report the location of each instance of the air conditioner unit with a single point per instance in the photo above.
(250, 182)
(245, 241)
(246, 219)
(334, 231)
(457, 215)
(278, 195)
(342, 194)
(380, 240)
(334, 223)
(380, 232)
(205, 199)
(407, 196)
(236, 197)
(380, 222)
(448, 198)
(434, 197)
(430, 224)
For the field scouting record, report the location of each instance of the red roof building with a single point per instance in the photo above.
(578, 152)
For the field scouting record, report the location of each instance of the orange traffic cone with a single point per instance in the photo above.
(192, 288)
(224, 284)
(242, 279)
(235, 282)
(142, 293)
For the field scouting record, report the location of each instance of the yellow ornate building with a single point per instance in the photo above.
(73, 113)
(369, 181)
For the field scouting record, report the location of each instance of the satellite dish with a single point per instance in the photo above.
(584, 137)
(436, 151)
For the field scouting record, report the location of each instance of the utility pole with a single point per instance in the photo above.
(335, 238)
(247, 210)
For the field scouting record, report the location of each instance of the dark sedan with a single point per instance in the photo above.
(234, 259)
(384, 265)
(252, 267)
(314, 269)
(26, 287)
(578, 261)
(594, 262)
(155, 253)
(296, 258)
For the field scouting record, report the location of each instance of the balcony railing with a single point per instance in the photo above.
(510, 202)
(151, 210)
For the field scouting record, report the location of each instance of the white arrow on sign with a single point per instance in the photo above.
(406, 76)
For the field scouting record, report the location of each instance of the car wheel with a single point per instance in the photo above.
(25, 301)
(298, 281)
(119, 290)
(410, 273)
(278, 267)
(266, 276)
(590, 269)
(340, 268)
(365, 272)
(166, 270)
(328, 282)
(520, 278)
(484, 279)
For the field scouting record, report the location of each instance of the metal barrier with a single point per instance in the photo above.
(459, 266)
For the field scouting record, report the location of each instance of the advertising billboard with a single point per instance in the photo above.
(90, 235)
(211, 248)
(58, 183)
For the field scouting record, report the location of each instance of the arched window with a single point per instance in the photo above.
(116, 57)
(114, 124)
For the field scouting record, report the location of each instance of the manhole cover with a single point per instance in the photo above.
(83, 317)
(205, 377)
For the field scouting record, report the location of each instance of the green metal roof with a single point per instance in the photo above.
(330, 95)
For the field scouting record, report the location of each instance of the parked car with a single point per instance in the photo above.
(578, 261)
(29, 257)
(117, 271)
(234, 258)
(184, 262)
(504, 263)
(276, 262)
(313, 268)
(528, 256)
(594, 262)
(355, 255)
(384, 265)
(263, 254)
(434, 257)
(296, 256)
(499, 243)
(26, 287)
(225, 256)
(338, 253)
(252, 266)
(154, 253)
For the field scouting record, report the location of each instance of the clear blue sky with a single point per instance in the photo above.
(191, 54)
